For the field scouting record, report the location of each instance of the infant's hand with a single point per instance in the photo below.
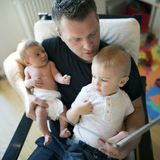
(66, 79)
(85, 108)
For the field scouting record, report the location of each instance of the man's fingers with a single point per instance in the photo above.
(48, 118)
(41, 103)
(103, 150)
(104, 146)
(121, 135)
(100, 142)
(39, 82)
(108, 149)
(38, 85)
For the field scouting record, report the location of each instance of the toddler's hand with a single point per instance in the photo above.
(85, 108)
(66, 79)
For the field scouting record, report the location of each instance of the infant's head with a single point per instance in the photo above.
(32, 53)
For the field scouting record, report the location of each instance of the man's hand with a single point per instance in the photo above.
(118, 153)
(33, 102)
(33, 83)
(37, 82)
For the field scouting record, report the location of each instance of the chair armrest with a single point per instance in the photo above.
(14, 148)
(144, 150)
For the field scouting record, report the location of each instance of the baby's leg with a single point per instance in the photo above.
(41, 116)
(64, 132)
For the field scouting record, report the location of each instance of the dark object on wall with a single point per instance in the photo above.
(140, 8)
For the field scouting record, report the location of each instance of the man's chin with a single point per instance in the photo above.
(88, 60)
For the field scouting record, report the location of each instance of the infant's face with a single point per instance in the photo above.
(37, 56)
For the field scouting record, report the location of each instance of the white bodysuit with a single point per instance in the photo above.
(107, 117)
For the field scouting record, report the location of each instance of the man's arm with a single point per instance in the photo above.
(14, 69)
(135, 120)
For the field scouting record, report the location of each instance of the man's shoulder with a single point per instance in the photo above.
(51, 40)
(87, 88)
(102, 44)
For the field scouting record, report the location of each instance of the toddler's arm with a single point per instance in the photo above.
(74, 113)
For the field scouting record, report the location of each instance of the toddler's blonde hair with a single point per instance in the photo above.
(114, 56)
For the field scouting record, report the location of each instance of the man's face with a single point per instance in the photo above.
(83, 38)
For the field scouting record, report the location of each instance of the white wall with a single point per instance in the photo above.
(156, 24)
(101, 6)
(11, 30)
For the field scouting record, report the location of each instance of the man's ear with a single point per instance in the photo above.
(97, 16)
(27, 63)
(59, 33)
(123, 81)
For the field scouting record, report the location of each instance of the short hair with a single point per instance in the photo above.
(21, 49)
(76, 10)
(114, 56)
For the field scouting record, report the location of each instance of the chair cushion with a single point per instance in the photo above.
(124, 32)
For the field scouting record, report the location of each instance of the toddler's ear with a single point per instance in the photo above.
(123, 81)
(27, 63)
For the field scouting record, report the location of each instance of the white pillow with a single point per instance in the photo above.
(124, 32)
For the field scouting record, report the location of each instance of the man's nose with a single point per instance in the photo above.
(87, 44)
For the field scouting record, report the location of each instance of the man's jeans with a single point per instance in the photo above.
(82, 151)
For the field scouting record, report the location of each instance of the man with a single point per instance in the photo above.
(72, 52)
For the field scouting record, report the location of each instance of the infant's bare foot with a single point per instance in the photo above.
(65, 133)
(48, 139)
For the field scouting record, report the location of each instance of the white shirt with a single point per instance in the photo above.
(107, 117)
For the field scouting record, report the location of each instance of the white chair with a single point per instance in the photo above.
(124, 31)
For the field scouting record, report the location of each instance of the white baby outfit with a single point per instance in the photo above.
(52, 98)
(107, 116)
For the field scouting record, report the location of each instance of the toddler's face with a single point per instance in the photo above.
(37, 56)
(105, 80)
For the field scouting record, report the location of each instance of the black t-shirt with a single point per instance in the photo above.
(68, 63)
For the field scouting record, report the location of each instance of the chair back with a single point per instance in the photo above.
(121, 31)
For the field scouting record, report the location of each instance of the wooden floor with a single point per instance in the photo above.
(11, 112)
